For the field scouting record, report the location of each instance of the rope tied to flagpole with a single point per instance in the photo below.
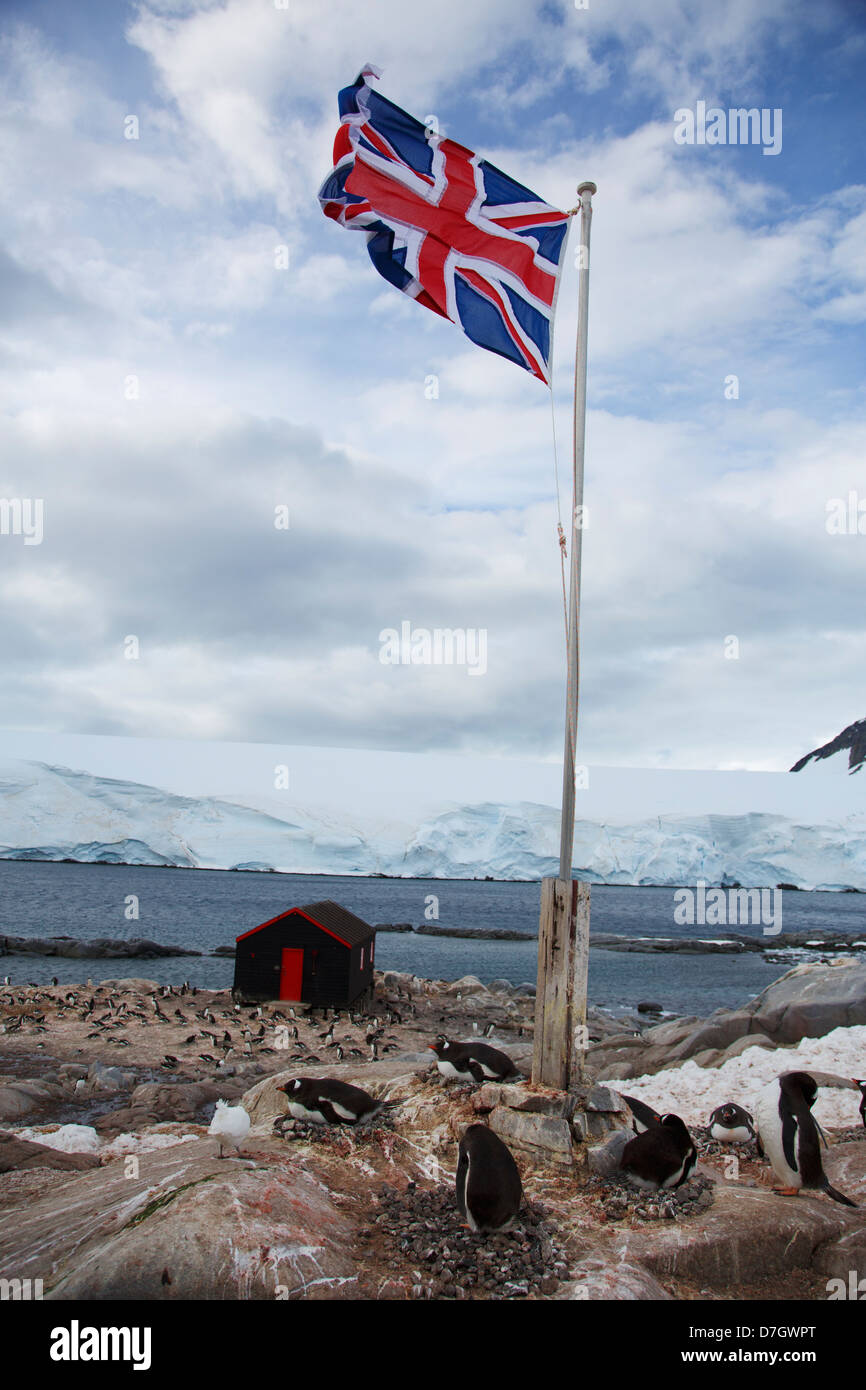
(563, 544)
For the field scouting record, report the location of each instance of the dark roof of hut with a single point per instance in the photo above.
(348, 928)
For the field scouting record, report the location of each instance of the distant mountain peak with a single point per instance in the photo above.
(853, 738)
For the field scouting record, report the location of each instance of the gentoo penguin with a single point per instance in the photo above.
(328, 1102)
(642, 1115)
(471, 1061)
(862, 1086)
(731, 1124)
(790, 1136)
(662, 1156)
(230, 1125)
(489, 1191)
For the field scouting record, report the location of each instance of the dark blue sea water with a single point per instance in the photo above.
(202, 909)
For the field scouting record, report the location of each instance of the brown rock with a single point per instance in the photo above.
(536, 1101)
(811, 1000)
(742, 1045)
(708, 1058)
(18, 1153)
(718, 1031)
(748, 1235)
(546, 1135)
(670, 1033)
(839, 1257)
(597, 1279)
(225, 1230)
(19, 1098)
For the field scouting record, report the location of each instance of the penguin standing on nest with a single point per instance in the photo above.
(663, 1156)
(489, 1191)
(790, 1135)
(471, 1061)
(861, 1085)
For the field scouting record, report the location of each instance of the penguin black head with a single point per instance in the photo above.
(801, 1083)
(731, 1115)
(677, 1128)
(440, 1045)
(291, 1087)
(674, 1121)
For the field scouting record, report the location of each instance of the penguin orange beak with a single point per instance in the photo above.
(430, 1047)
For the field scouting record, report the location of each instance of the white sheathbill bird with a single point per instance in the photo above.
(230, 1125)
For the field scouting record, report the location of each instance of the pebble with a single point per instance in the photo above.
(619, 1199)
(424, 1228)
(343, 1138)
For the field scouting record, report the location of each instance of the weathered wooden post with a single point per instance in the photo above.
(560, 1001)
(563, 929)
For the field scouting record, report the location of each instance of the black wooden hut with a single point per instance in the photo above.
(316, 954)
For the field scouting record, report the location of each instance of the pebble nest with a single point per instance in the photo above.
(342, 1138)
(708, 1147)
(846, 1136)
(422, 1227)
(619, 1199)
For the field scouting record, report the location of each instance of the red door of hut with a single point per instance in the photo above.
(291, 973)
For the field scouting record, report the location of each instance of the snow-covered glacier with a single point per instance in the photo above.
(50, 812)
(57, 813)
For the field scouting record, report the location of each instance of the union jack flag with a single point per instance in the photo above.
(446, 227)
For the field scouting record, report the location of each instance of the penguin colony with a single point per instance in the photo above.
(488, 1187)
(663, 1154)
(661, 1157)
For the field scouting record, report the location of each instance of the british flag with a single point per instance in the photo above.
(446, 227)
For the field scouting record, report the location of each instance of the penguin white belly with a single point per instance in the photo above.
(768, 1122)
(738, 1135)
(470, 1219)
(300, 1112)
(678, 1175)
(646, 1183)
(447, 1069)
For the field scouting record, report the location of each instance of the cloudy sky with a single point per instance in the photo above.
(165, 385)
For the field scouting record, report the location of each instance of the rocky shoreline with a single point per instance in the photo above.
(830, 943)
(98, 948)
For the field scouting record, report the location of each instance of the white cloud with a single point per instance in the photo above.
(156, 258)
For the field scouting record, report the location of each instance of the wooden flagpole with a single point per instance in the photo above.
(563, 931)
